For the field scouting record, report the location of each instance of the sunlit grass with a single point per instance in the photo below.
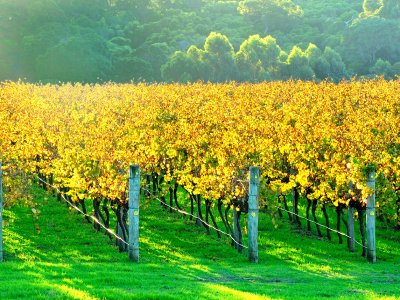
(178, 260)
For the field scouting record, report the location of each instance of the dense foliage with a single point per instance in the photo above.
(317, 138)
(208, 40)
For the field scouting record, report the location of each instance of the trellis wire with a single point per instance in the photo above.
(322, 225)
(118, 237)
(189, 214)
(80, 211)
(229, 235)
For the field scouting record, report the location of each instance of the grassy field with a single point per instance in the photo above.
(68, 260)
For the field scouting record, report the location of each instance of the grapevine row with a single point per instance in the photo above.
(318, 139)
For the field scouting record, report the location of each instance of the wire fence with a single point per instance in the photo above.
(154, 197)
(97, 221)
(201, 220)
(331, 229)
(230, 236)
(322, 225)
(108, 230)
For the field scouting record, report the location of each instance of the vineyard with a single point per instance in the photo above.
(314, 144)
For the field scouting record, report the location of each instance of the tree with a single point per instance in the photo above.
(219, 55)
(337, 68)
(297, 65)
(396, 70)
(371, 7)
(269, 15)
(123, 59)
(202, 69)
(383, 68)
(327, 64)
(390, 9)
(317, 61)
(369, 39)
(155, 54)
(19, 20)
(179, 68)
(257, 59)
(191, 65)
(73, 60)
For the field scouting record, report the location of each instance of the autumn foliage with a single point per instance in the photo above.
(319, 138)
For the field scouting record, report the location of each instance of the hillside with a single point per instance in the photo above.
(131, 40)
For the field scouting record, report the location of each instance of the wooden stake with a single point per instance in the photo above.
(370, 218)
(252, 219)
(133, 213)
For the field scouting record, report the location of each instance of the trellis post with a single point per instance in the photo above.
(133, 213)
(1, 213)
(252, 219)
(351, 241)
(370, 217)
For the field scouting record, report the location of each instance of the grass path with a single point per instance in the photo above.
(68, 260)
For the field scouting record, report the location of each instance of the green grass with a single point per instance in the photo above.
(68, 260)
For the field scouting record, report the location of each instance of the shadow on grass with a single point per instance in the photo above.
(69, 260)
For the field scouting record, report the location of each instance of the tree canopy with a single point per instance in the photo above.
(208, 40)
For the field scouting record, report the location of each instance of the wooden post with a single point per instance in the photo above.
(1, 213)
(295, 196)
(252, 219)
(350, 224)
(351, 242)
(133, 213)
(370, 218)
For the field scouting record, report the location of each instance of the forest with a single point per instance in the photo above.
(53, 41)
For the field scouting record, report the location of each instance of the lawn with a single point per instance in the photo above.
(179, 260)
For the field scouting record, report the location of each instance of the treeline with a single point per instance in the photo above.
(180, 40)
(258, 59)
